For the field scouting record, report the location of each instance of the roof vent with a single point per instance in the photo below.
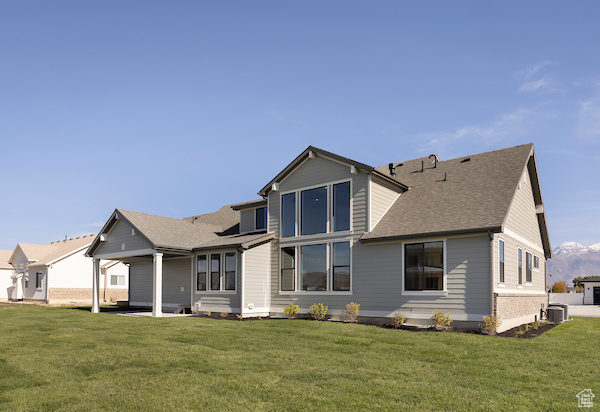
(392, 169)
(435, 160)
(465, 160)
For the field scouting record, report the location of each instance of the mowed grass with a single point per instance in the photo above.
(68, 359)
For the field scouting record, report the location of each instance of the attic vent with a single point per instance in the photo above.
(465, 160)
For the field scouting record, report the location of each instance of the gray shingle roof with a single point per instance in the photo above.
(45, 254)
(594, 279)
(192, 233)
(459, 195)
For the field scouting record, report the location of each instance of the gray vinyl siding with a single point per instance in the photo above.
(521, 217)
(31, 292)
(382, 197)
(378, 279)
(315, 172)
(140, 283)
(219, 301)
(511, 283)
(176, 275)
(247, 220)
(257, 282)
(118, 235)
(377, 283)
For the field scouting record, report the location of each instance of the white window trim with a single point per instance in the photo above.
(329, 263)
(222, 290)
(444, 291)
(298, 212)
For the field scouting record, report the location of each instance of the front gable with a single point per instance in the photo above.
(314, 172)
(18, 259)
(119, 238)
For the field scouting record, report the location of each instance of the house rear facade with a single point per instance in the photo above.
(467, 236)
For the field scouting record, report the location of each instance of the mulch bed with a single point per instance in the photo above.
(529, 333)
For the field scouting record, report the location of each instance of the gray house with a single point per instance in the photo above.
(466, 235)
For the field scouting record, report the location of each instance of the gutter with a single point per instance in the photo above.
(494, 229)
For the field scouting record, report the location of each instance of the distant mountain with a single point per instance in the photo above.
(572, 260)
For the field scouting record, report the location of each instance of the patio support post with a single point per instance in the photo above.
(95, 286)
(157, 285)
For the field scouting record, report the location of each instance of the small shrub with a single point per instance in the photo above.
(223, 315)
(520, 332)
(318, 311)
(291, 310)
(490, 324)
(351, 314)
(535, 325)
(209, 314)
(441, 320)
(238, 316)
(194, 312)
(398, 319)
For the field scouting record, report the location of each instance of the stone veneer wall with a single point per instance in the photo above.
(516, 309)
(112, 295)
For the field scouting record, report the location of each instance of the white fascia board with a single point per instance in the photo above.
(68, 254)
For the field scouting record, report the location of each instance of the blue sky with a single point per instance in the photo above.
(178, 108)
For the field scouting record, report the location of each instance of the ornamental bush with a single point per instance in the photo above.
(490, 324)
(318, 311)
(351, 314)
(398, 319)
(441, 320)
(291, 310)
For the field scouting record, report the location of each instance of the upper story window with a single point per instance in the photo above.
(260, 218)
(322, 209)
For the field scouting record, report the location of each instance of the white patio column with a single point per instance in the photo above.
(157, 286)
(95, 286)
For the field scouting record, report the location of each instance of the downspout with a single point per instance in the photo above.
(492, 297)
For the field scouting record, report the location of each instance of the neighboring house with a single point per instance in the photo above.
(60, 272)
(5, 275)
(467, 236)
(591, 291)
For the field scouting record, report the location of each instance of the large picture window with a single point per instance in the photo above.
(424, 266)
(319, 267)
(314, 211)
(501, 261)
(322, 209)
(314, 267)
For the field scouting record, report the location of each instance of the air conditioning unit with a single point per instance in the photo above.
(556, 314)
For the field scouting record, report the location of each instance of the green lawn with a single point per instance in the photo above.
(69, 359)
